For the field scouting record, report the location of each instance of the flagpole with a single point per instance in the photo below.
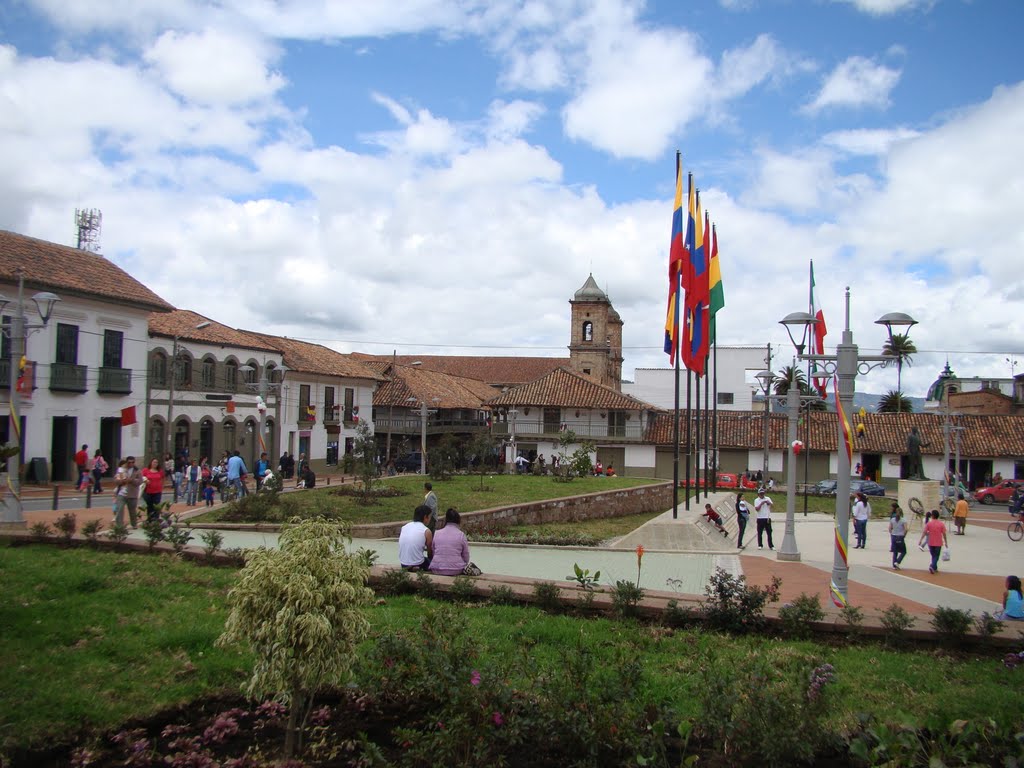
(689, 439)
(714, 417)
(707, 424)
(675, 445)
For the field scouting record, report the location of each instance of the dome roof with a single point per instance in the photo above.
(590, 291)
(937, 391)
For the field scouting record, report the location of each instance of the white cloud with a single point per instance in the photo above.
(856, 82)
(508, 119)
(214, 67)
(423, 134)
(888, 7)
(868, 142)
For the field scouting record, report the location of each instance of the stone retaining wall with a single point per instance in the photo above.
(616, 503)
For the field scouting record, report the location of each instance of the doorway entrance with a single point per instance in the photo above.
(63, 446)
(110, 442)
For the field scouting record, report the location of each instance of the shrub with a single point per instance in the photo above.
(118, 533)
(625, 597)
(987, 625)
(798, 616)
(300, 609)
(425, 584)
(732, 606)
(583, 577)
(397, 581)
(91, 530)
(853, 617)
(40, 530)
(463, 589)
(367, 557)
(212, 541)
(178, 536)
(501, 594)
(547, 595)
(952, 625)
(66, 526)
(895, 623)
(153, 530)
(980, 741)
(676, 616)
(769, 707)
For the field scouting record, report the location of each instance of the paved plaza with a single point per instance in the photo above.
(682, 552)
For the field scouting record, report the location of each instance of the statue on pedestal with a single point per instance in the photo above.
(915, 469)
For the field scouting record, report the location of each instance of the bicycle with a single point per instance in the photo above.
(1015, 530)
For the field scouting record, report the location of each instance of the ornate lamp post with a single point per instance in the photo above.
(845, 364)
(18, 333)
(263, 388)
(765, 379)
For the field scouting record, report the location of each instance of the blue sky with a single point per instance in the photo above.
(442, 175)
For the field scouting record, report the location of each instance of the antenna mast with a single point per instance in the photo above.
(88, 222)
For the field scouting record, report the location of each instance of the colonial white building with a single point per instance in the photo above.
(86, 368)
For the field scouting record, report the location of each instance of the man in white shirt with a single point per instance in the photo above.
(416, 542)
(763, 507)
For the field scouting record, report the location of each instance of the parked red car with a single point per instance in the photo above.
(726, 480)
(1000, 493)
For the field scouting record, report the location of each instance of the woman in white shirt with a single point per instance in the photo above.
(898, 536)
(861, 513)
(742, 515)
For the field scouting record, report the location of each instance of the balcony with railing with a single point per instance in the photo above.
(331, 417)
(535, 429)
(66, 377)
(115, 381)
(440, 423)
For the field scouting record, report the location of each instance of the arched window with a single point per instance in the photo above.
(230, 436)
(588, 331)
(208, 373)
(231, 375)
(158, 369)
(183, 370)
(253, 374)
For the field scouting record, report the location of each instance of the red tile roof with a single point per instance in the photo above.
(306, 357)
(438, 390)
(71, 272)
(563, 388)
(182, 323)
(982, 436)
(497, 371)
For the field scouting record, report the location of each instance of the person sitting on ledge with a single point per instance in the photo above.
(1013, 601)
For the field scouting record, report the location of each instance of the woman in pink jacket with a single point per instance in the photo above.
(451, 548)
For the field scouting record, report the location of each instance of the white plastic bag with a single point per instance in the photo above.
(945, 555)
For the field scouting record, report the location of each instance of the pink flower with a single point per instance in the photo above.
(474, 678)
(498, 719)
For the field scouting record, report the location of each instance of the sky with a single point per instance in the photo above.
(440, 176)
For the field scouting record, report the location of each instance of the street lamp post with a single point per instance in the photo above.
(18, 334)
(263, 388)
(423, 430)
(845, 364)
(765, 379)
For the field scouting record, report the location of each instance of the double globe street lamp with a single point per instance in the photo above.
(18, 332)
(844, 365)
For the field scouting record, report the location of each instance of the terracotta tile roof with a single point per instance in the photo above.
(182, 323)
(72, 272)
(306, 357)
(563, 388)
(982, 436)
(440, 390)
(498, 371)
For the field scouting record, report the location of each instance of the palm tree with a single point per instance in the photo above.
(786, 377)
(894, 401)
(902, 349)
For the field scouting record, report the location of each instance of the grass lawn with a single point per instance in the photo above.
(93, 638)
(464, 492)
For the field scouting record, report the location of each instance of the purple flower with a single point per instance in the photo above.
(474, 678)
(499, 720)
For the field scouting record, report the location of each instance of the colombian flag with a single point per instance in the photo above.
(676, 259)
(716, 292)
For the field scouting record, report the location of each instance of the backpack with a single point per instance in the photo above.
(206, 473)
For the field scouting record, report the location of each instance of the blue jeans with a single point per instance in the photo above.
(239, 485)
(192, 493)
(860, 530)
(936, 552)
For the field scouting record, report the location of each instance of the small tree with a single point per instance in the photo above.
(441, 458)
(300, 609)
(482, 449)
(577, 462)
(364, 453)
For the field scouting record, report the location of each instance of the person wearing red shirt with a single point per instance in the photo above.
(154, 477)
(82, 462)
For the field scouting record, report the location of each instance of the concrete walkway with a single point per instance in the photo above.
(682, 553)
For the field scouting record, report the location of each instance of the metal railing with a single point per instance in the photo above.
(65, 377)
(116, 381)
(533, 429)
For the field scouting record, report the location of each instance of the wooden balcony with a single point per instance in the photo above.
(65, 377)
(115, 381)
